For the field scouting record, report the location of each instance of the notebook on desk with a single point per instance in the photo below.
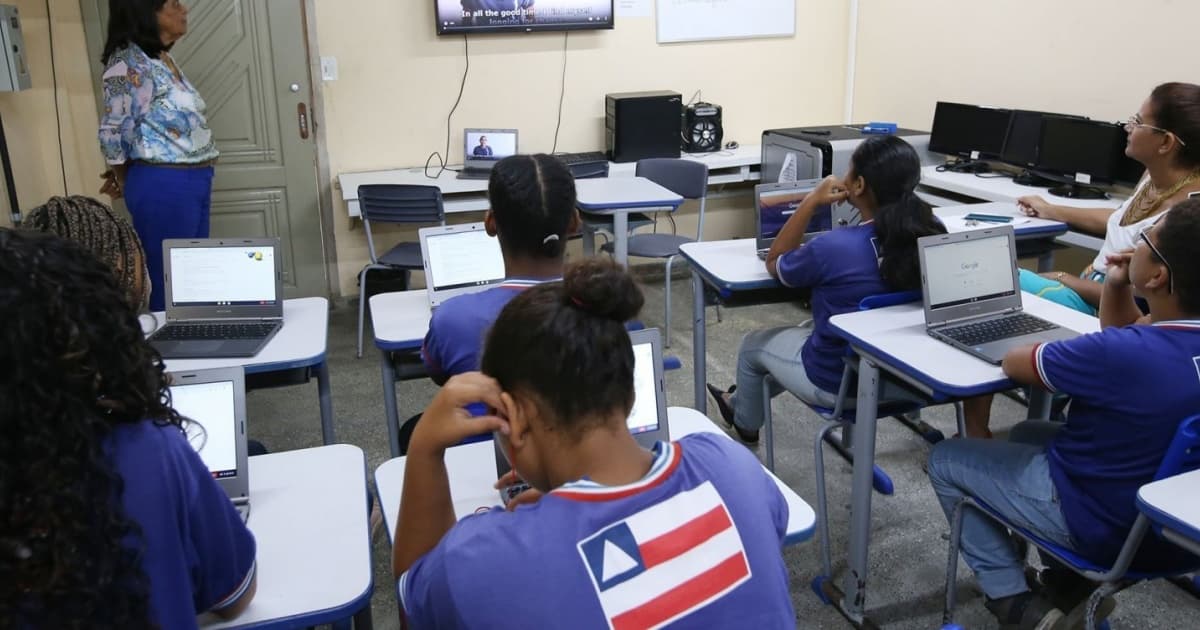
(459, 259)
(224, 297)
(972, 295)
(482, 148)
(216, 401)
(776, 203)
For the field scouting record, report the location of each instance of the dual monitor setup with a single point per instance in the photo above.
(1063, 149)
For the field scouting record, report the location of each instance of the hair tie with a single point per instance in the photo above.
(550, 238)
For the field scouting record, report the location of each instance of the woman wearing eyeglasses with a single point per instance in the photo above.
(1164, 135)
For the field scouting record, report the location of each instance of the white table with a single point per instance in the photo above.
(309, 516)
(617, 197)
(400, 321)
(472, 471)
(893, 339)
(300, 343)
(1174, 504)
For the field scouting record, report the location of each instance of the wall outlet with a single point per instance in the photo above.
(329, 69)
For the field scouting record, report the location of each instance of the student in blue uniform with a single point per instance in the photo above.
(841, 268)
(612, 535)
(1075, 483)
(110, 518)
(531, 210)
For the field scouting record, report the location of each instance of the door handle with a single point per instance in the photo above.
(302, 120)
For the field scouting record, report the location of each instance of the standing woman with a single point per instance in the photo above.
(153, 133)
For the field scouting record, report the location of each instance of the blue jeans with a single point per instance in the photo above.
(166, 203)
(1013, 478)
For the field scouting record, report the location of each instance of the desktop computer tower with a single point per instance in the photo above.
(641, 125)
(815, 152)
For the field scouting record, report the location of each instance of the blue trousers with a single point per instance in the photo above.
(166, 203)
(1013, 478)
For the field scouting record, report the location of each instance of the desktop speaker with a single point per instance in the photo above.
(640, 125)
(702, 128)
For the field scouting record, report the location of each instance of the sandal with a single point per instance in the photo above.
(746, 435)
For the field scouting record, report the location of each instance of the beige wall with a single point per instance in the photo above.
(1099, 58)
(29, 115)
(398, 80)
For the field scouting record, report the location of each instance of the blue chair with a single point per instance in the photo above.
(840, 417)
(394, 203)
(688, 179)
(1182, 455)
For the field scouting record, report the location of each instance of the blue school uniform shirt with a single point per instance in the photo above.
(196, 552)
(1131, 387)
(696, 542)
(841, 268)
(458, 327)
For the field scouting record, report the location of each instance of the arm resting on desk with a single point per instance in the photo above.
(241, 603)
(1091, 220)
(1087, 289)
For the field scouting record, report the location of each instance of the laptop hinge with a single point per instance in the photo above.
(959, 320)
(241, 500)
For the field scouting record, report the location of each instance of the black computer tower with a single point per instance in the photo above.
(641, 125)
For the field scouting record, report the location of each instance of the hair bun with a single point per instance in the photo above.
(602, 288)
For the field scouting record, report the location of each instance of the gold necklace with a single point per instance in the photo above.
(1141, 206)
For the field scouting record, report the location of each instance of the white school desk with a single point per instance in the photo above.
(1003, 189)
(300, 343)
(472, 471)
(400, 321)
(308, 513)
(617, 197)
(727, 166)
(731, 267)
(1174, 504)
(894, 340)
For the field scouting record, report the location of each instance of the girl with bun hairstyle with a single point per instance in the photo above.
(611, 534)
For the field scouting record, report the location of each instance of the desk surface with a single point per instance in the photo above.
(1023, 226)
(1003, 189)
(472, 470)
(400, 319)
(299, 343)
(615, 194)
(308, 512)
(1172, 503)
(896, 337)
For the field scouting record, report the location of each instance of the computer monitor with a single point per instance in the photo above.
(1079, 152)
(969, 131)
(482, 148)
(1021, 144)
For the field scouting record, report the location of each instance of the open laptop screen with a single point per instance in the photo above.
(463, 259)
(968, 271)
(777, 204)
(223, 276)
(212, 407)
(644, 415)
(483, 146)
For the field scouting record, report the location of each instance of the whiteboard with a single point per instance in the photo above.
(694, 20)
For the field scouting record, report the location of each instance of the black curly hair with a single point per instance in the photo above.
(75, 366)
(533, 199)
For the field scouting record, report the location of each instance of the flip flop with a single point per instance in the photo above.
(749, 437)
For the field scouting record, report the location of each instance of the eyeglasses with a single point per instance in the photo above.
(1135, 121)
(1143, 234)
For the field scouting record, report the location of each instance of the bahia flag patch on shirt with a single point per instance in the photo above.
(666, 561)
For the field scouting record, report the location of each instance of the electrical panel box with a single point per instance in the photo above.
(14, 71)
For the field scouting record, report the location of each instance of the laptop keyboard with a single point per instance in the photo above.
(581, 158)
(214, 331)
(991, 330)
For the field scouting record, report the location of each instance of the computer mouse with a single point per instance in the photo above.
(731, 145)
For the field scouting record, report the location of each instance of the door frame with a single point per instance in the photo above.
(94, 33)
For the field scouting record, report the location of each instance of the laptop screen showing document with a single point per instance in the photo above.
(214, 432)
(974, 270)
(222, 276)
(459, 259)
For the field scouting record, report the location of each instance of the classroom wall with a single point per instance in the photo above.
(1099, 58)
(29, 116)
(398, 80)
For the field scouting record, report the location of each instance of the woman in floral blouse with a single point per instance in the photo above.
(153, 133)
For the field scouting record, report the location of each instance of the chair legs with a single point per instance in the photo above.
(362, 305)
(956, 520)
(667, 296)
(822, 498)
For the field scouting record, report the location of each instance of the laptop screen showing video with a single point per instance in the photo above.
(968, 271)
(775, 207)
(644, 415)
(489, 145)
(223, 276)
(464, 259)
(214, 432)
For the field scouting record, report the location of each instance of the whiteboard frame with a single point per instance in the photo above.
(658, 32)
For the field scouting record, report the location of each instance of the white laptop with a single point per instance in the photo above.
(459, 259)
(224, 297)
(776, 203)
(482, 148)
(973, 297)
(215, 400)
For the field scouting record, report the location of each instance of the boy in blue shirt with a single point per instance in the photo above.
(1074, 484)
(612, 535)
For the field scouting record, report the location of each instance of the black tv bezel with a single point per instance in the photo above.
(1060, 175)
(547, 28)
(983, 155)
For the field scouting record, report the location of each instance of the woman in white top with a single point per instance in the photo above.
(1165, 137)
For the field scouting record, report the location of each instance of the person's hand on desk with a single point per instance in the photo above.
(1035, 206)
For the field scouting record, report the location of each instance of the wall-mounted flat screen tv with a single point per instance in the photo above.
(497, 16)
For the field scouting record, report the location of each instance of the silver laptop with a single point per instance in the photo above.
(482, 148)
(459, 259)
(973, 297)
(776, 203)
(224, 297)
(216, 401)
(647, 420)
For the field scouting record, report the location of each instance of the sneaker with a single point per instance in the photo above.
(1026, 611)
(1069, 592)
(748, 436)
